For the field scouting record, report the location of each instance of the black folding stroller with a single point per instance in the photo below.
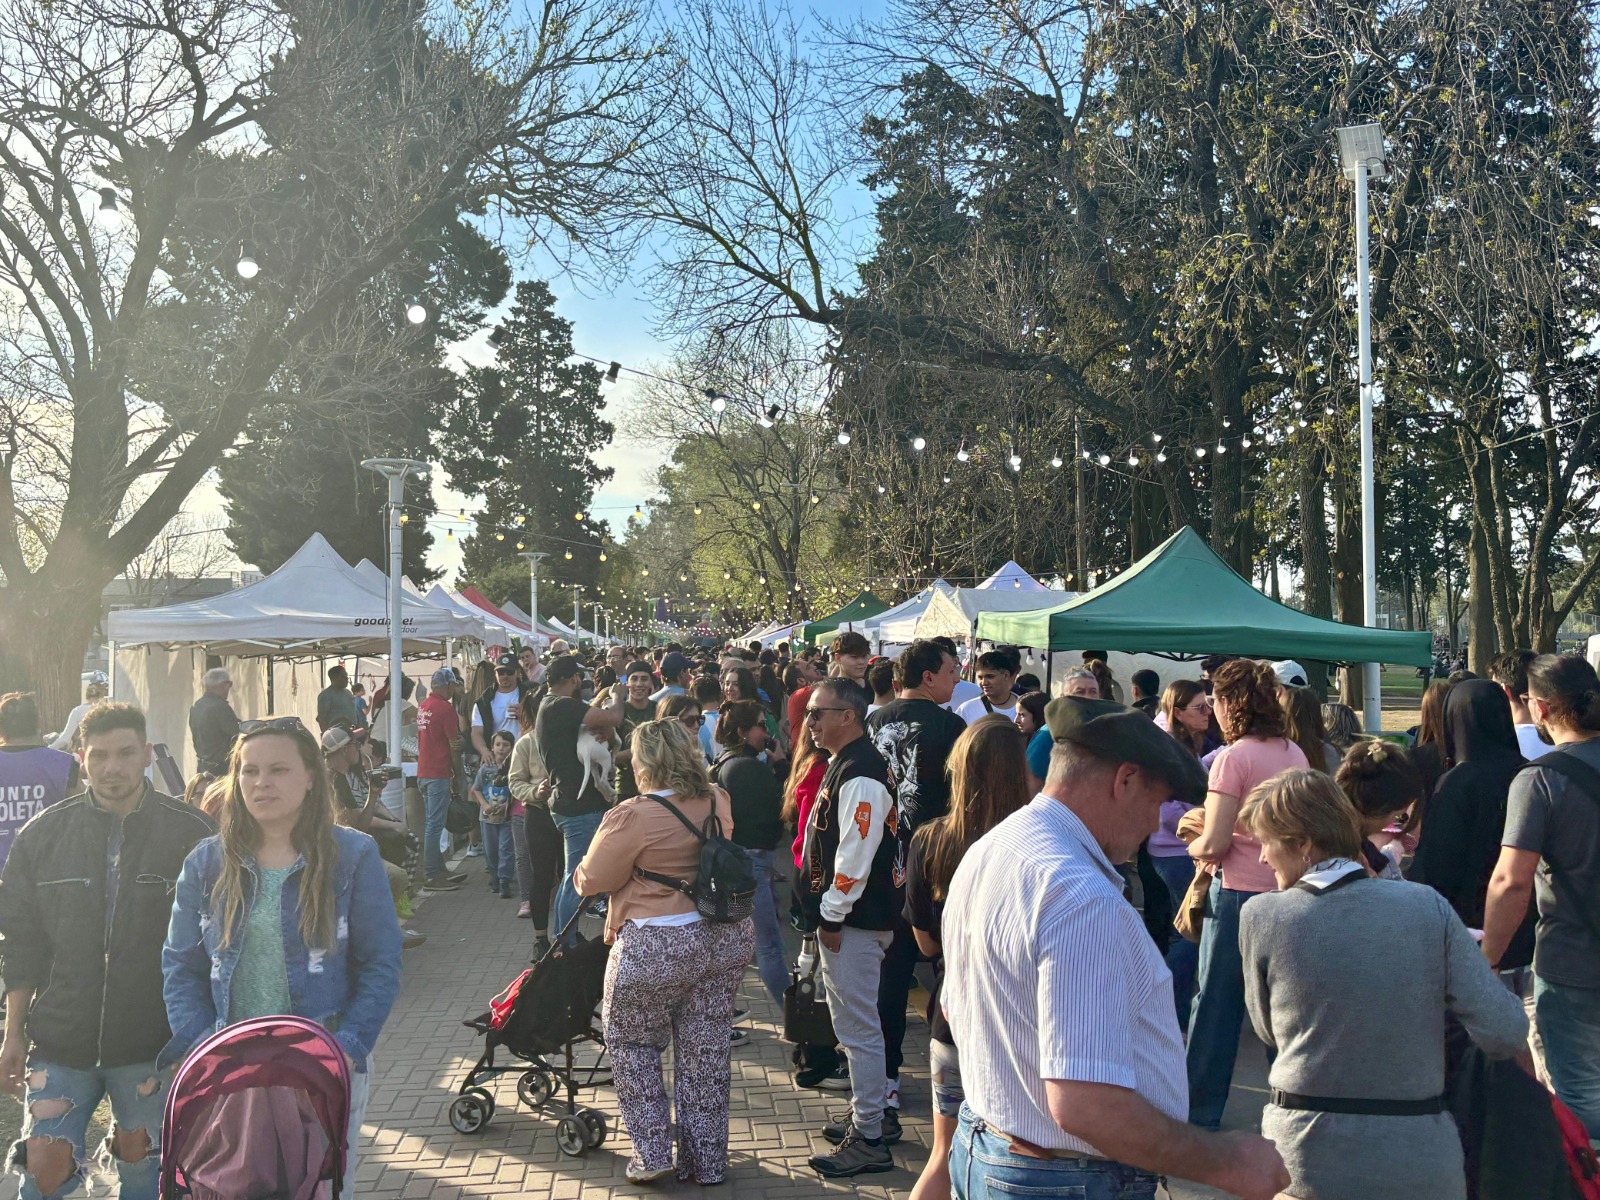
(547, 1011)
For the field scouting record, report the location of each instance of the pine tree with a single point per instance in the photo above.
(523, 434)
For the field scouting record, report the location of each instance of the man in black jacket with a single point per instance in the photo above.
(85, 898)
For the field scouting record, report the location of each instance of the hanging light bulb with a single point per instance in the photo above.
(449, 535)
(1104, 460)
(844, 434)
(1055, 461)
(727, 575)
(463, 514)
(522, 519)
(1133, 460)
(1246, 443)
(755, 505)
(719, 402)
(682, 578)
(1015, 461)
(797, 585)
(1303, 422)
(499, 537)
(1161, 456)
(247, 266)
(520, 546)
(568, 556)
(816, 499)
(416, 311)
(577, 516)
(638, 512)
(763, 579)
(1156, 438)
(1227, 422)
(1199, 451)
(961, 452)
(646, 572)
(919, 442)
(947, 479)
(107, 213)
(882, 489)
(602, 556)
(1222, 448)
(612, 371)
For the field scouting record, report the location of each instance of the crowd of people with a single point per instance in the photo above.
(1105, 895)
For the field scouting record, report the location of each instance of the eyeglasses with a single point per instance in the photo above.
(813, 712)
(273, 725)
(505, 670)
(692, 720)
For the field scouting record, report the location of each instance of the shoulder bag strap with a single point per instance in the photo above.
(1586, 780)
(656, 876)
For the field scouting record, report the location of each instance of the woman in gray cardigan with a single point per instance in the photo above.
(1357, 1106)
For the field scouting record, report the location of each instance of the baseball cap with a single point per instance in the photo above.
(674, 664)
(443, 677)
(1290, 673)
(639, 667)
(337, 738)
(507, 660)
(563, 669)
(1119, 734)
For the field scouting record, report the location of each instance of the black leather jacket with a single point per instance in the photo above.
(97, 984)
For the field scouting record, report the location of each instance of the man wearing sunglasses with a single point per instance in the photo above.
(495, 709)
(849, 890)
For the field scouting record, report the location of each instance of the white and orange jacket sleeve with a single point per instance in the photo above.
(862, 810)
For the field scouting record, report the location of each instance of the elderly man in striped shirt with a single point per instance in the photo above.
(1060, 1004)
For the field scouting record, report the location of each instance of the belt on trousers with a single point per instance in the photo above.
(1357, 1106)
(1028, 1150)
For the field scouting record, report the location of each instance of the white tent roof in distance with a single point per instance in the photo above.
(314, 604)
(1014, 577)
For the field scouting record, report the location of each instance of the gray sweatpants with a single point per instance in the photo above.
(852, 979)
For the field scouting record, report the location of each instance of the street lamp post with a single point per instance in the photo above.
(1361, 157)
(577, 615)
(533, 557)
(395, 470)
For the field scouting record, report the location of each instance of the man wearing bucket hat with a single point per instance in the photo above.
(1060, 1004)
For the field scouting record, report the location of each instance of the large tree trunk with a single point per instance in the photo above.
(1481, 644)
(1317, 578)
(43, 633)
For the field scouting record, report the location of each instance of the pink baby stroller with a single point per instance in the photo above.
(258, 1112)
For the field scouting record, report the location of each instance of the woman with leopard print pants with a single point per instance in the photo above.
(672, 976)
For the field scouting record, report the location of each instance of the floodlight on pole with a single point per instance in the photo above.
(396, 471)
(1361, 158)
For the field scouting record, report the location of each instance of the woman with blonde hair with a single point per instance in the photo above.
(1244, 695)
(283, 912)
(1360, 1046)
(672, 975)
(988, 782)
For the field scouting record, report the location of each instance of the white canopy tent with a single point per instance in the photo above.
(954, 613)
(495, 632)
(272, 636)
(547, 633)
(1013, 577)
(895, 626)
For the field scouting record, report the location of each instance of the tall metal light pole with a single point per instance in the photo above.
(1361, 157)
(395, 470)
(577, 615)
(533, 557)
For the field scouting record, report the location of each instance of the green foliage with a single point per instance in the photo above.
(523, 434)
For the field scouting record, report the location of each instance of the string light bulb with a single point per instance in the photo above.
(919, 442)
(1055, 461)
(1156, 438)
(577, 516)
(961, 453)
(1222, 448)
(107, 213)
(602, 556)
(816, 499)
(882, 489)
(1015, 461)
(697, 510)
(755, 505)
(1104, 460)
(1133, 460)
(416, 311)
(499, 537)
(568, 556)
(844, 434)
(520, 546)
(1161, 456)
(247, 266)
(1199, 451)
(638, 512)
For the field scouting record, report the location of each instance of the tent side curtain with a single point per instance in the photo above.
(1181, 599)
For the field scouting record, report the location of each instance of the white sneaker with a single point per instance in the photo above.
(891, 1093)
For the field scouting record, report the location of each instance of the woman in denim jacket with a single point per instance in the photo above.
(283, 913)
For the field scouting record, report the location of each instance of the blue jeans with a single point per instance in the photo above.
(1218, 1012)
(360, 1092)
(1568, 1020)
(577, 832)
(771, 962)
(435, 806)
(77, 1094)
(499, 852)
(982, 1167)
(1183, 956)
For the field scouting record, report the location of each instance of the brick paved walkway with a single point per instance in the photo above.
(475, 946)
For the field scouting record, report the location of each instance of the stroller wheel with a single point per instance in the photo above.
(596, 1121)
(572, 1135)
(535, 1087)
(468, 1114)
(485, 1098)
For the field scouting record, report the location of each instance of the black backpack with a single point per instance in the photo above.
(724, 889)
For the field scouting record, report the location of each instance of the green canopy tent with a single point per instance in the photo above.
(1182, 601)
(863, 606)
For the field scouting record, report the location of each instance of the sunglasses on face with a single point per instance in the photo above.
(816, 712)
(505, 670)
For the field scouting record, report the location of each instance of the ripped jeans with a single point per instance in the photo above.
(57, 1106)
